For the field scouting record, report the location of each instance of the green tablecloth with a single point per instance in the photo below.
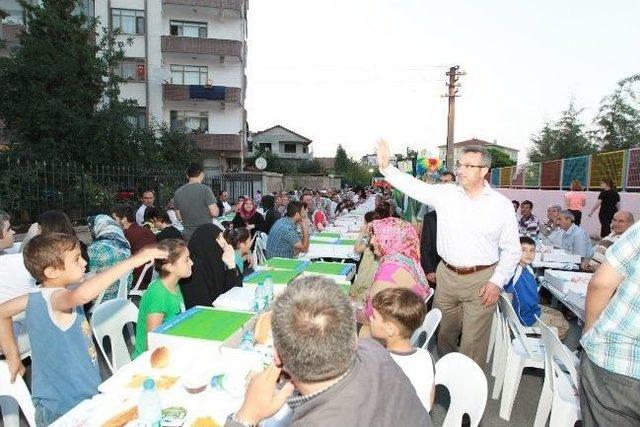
(278, 276)
(287, 264)
(208, 324)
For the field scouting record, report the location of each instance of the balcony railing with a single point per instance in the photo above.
(235, 5)
(232, 95)
(202, 46)
(218, 142)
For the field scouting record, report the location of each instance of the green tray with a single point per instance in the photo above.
(278, 276)
(349, 242)
(333, 268)
(327, 234)
(287, 264)
(208, 324)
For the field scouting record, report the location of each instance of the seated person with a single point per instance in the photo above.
(248, 216)
(240, 240)
(368, 263)
(138, 238)
(397, 313)
(550, 226)
(149, 213)
(284, 240)
(528, 225)
(15, 280)
(64, 360)
(162, 222)
(163, 299)
(7, 235)
(338, 381)
(524, 291)
(621, 222)
(575, 240)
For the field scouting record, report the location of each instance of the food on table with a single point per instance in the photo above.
(122, 418)
(173, 416)
(195, 383)
(163, 382)
(160, 358)
(205, 422)
(262, 331)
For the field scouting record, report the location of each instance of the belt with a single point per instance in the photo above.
(467, 270)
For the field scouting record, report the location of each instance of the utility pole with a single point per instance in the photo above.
(454, 74)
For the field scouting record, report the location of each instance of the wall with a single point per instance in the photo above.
(310, 181)
(541, 199)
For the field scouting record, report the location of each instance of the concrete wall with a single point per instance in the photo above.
(310, 181)
(541, 199)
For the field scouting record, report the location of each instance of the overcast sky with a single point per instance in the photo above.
(350, 71)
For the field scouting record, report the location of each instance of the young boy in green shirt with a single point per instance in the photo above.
(163, 299)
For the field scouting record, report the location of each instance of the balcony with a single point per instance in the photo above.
(198, 93)
(296, 156)
(9, 34)
(218, 142)
(232, 5)
(202, 46)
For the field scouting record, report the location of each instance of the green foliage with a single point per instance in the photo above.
(618, 120)
(500, 159)
(61, 97)
(352, 172)
(285, 166)
(563, 138)
(342, 162)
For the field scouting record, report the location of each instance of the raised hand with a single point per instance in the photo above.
(382, 150)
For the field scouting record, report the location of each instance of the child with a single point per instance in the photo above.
(240, 240)
(163, 299)
(397, 313)
(162, 222)
(524, 289)
(64, 360)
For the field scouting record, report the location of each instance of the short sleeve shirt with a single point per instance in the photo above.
(613, 343)
(156, 300)
(193, 201)
(282, 238)
(609, 200)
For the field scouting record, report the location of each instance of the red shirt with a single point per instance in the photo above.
(138, 238)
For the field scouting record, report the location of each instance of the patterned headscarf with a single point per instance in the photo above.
(246, 216)
(103, 227)
(399, 243)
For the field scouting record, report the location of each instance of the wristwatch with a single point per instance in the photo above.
(235, 419)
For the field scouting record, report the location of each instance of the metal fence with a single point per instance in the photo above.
(28, 188)
(623, 167)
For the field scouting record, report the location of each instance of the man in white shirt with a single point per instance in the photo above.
(478, 242)
(147, 199)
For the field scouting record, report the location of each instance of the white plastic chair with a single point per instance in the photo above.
(260, 249)
(517, 354)
(428, 327)
(108, 320)
(467, 387)
(560, 388)
(136, 291)
(14, 397)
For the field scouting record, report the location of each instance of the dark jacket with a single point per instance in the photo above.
(429, 257)
(271, 214)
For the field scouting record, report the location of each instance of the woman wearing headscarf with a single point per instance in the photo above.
(248, 216)
(396, 245)
(271, 213)
(214, 269)
(109, 247)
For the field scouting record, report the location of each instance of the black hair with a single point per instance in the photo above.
(125, 211)
(235, 236)
(294, 207)
(194, 170)
(526, 240)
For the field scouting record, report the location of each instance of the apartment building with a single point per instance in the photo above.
(184, 64)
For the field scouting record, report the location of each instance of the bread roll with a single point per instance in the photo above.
(262, 332)
(160, 358)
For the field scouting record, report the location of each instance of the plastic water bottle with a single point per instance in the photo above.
(259, 300)
(247, 341)
(268, 288)
(149, 406)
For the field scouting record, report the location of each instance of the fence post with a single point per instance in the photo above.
(84, 192)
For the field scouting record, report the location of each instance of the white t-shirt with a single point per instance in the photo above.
(417, 365)
(15, 280)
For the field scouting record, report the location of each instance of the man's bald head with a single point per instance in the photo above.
(621, 222)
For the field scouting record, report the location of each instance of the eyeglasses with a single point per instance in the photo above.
(468, 166)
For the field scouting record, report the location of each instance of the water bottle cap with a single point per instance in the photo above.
(149, 384)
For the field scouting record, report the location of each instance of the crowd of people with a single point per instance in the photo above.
(467, 247)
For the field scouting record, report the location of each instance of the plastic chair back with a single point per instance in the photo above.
(467, 387)
(14, 396)
(261, 248)
(108, 320)
(557, 354)
(136, 291)
(428, 327)
(514, 323)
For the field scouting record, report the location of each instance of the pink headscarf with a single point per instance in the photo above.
(246, 216)
(396, 236)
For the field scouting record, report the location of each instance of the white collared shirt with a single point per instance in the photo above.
(480, 231)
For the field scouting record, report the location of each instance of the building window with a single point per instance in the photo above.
(139, 119)
(14, 17)
(289, 148)
(188, 29)
(194, 121)
(265, 146)
(305, 149)
(189, 75)
(131, 69)
(128, 21)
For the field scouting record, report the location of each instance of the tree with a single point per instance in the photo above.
(563, 138)
(342, 161)
(500, 159)
(618, 120)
